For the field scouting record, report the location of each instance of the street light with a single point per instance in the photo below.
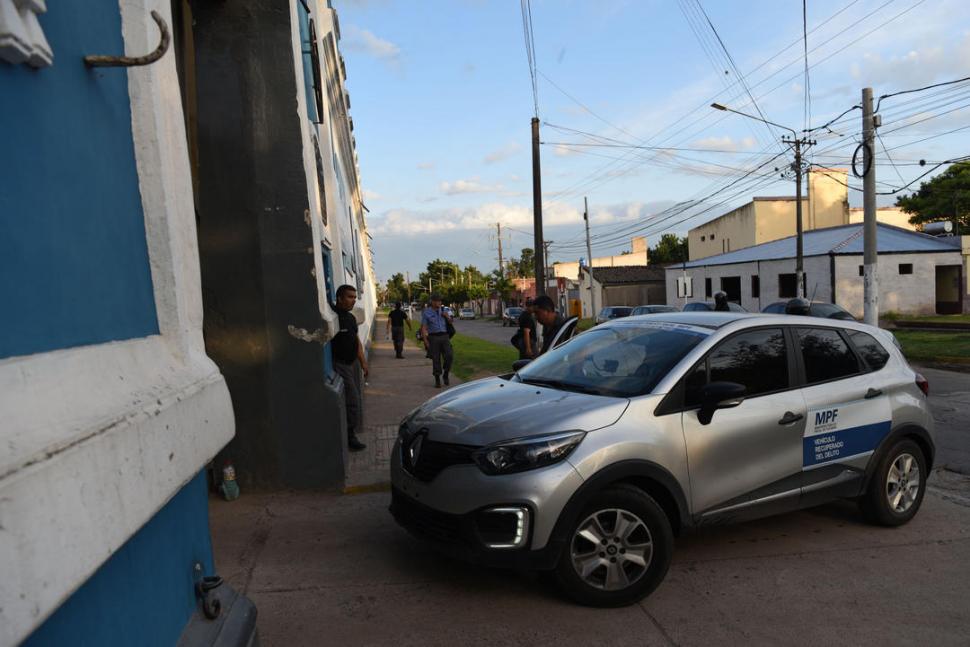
(797, 144)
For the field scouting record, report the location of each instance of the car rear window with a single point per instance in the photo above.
(825, 355)
(874, 353)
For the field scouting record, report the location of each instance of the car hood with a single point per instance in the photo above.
(491, 410)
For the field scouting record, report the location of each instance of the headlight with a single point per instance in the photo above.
(521, 454)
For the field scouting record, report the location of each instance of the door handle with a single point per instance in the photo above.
(789, 418)
(873, 393)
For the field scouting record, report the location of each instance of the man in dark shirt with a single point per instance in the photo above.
(551, 320)
(529, 343)
(395, 326)
(349, 361)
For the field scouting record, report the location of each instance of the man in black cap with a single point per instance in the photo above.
(348, 355)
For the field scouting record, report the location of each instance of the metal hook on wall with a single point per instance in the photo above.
(132, 61)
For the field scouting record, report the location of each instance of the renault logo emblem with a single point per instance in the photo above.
(415, 449)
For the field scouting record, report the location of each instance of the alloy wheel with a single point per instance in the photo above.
(903, 483)
(611, 549)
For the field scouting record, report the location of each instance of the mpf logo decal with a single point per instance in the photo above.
(825, 420)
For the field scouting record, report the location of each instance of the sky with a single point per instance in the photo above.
(442, 103)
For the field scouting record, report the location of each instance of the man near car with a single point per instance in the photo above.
(552, 321)
(528, 344)
(395, 327)
(721, 302)
(349, 362)
(434, 332)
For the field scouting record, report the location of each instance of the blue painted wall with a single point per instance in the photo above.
(73, 258)
(143, 595)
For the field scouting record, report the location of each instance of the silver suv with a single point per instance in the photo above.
(591, 458)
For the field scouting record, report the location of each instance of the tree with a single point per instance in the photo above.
(945, 197)
(670, 249)
(478, 294)
(397, 289)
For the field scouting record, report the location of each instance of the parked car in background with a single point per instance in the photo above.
(613, 312)
(818, 309)
(708, 306)
(466, 313)
(652, 310)
(448, 311)
(511, 316)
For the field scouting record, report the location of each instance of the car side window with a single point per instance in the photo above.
(826, 355)
(757, 359)
(693, 383)
(871, 350)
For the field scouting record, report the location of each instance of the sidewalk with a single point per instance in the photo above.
(394, 388)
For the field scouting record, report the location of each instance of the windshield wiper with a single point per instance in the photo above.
(562, 386)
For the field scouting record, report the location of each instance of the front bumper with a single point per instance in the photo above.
(457, 535)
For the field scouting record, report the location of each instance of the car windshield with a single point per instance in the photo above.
(620, 361)
(830, 310)
(691, 307)
(621, 312)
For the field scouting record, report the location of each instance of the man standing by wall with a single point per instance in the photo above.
(552, 321)
(434, 332)
(348, 352)
(395, 326)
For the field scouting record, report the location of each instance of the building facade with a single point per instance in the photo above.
(281, 226)
(639, 255)
(633, 285)
(918, 274)
(111, 406)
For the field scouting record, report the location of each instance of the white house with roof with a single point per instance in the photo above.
(909, 264)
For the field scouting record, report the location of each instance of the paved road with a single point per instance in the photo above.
(492, 331)
(330, 569)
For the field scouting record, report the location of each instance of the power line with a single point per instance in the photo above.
(926, 87)
(530, 51)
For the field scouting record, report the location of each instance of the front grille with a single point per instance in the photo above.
(424, 521)
(435, 457)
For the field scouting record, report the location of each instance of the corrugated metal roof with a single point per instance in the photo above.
(844, 239)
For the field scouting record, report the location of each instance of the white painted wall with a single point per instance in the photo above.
(96, 439)
(903, 293)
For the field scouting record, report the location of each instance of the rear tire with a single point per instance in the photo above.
(618, 550)
(896, 490)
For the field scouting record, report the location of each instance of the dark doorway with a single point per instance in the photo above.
(949, 295)
(731, 285)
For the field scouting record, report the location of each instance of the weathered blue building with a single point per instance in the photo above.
(110, 406)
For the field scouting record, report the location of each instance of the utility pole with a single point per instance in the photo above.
(540, 260)
(501, 265)
(870, 256)
(797, 144)
(408, 279)
(589, 259)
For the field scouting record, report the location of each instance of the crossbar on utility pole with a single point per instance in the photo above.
(540, 261)
(799, 227)
(869, 231)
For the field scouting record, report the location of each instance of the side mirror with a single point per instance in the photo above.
(719, 395)
(519, 364)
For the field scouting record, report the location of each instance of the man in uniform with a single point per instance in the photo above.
(395, 326)
(552, 321)
(434, 332)
(349, 361)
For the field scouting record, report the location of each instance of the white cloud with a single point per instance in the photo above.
(472, 185)
(425, 166)
(505, 152)
(370, 196)
(726, 143)
(362, 40)
(563, 151)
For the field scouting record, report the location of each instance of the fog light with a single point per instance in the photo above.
(506, 527)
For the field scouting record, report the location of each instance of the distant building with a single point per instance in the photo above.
(888, 215)
(639, 255)
(623, 286)
(918, 274)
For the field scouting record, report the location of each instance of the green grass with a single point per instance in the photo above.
(930, 318)
(935, 346)
(584, 324)
(475, 358)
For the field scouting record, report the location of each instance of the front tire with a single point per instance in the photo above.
(619, 549)
(896, 490)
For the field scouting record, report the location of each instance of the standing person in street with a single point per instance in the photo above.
(434, 332)
(395, 327)
(552, 321)
(349, 362)
(529, 343)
